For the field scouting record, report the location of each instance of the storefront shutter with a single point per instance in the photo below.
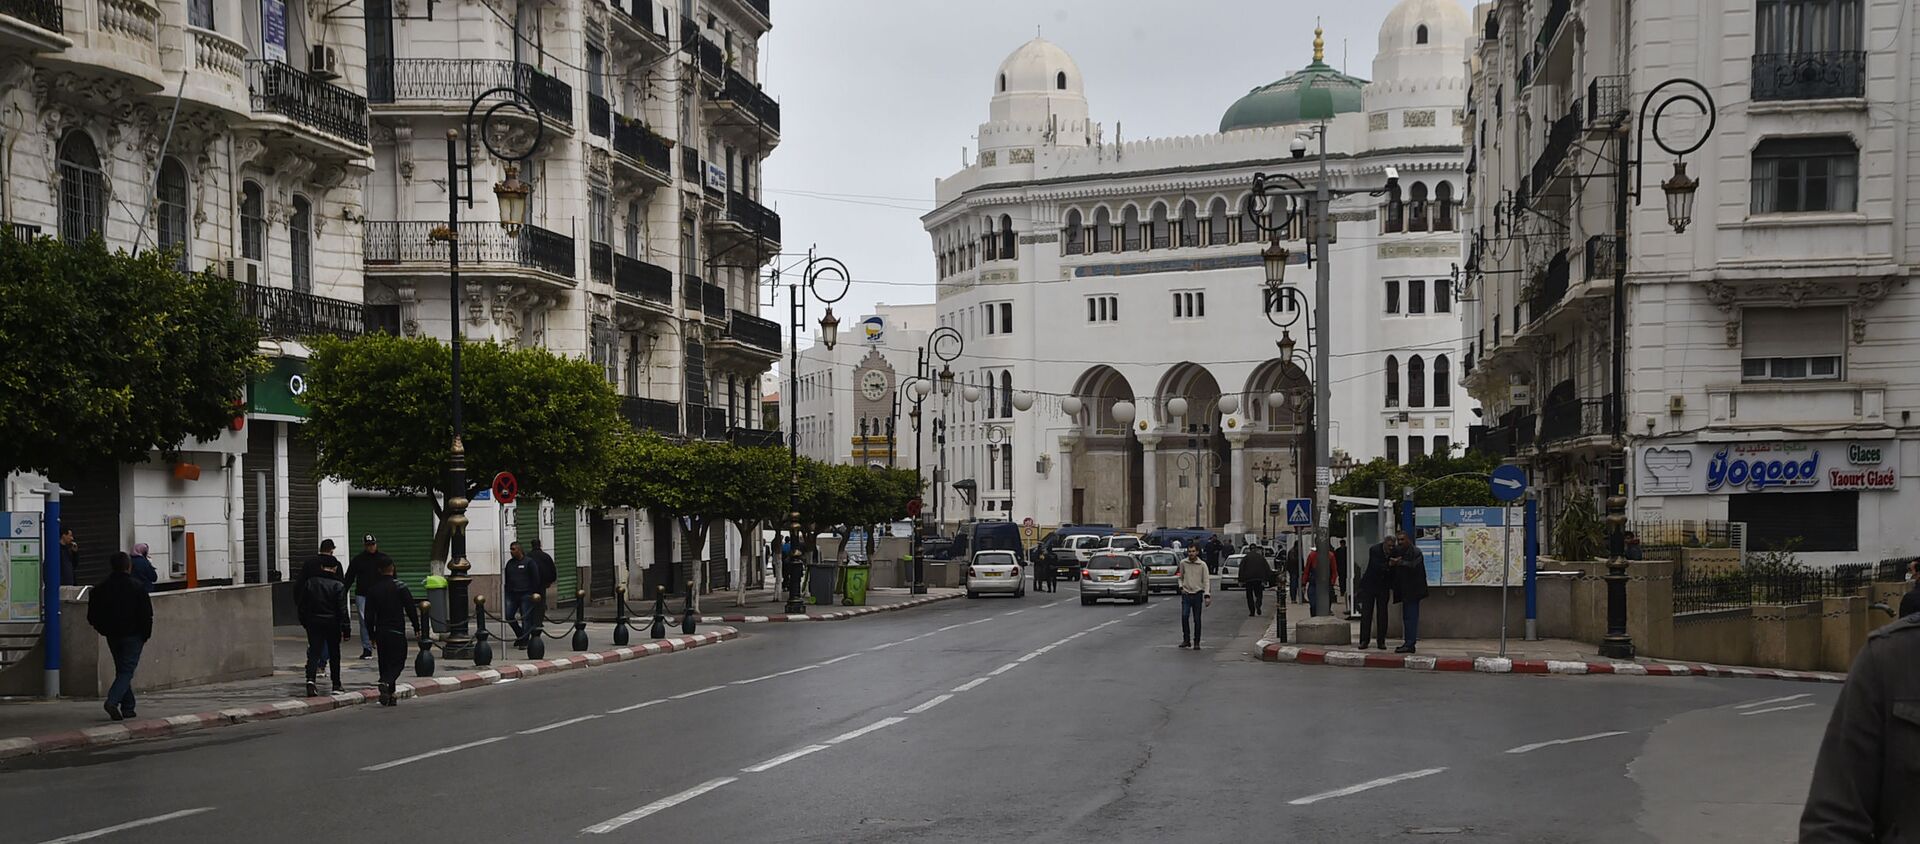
(405, 528)
(566, 555)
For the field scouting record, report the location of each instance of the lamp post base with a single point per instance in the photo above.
(458, 644)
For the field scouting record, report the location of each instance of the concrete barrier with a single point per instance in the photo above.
(199, 636)
(1473, 612)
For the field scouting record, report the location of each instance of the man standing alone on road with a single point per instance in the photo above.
(69, 557)
(390, 608)
(322, 603)
(1373, 594)
(520, 579)
(123, 614)
(1409, 568)
(1195, 595)
(1254, 574)
(361, 575)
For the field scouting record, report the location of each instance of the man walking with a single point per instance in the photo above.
(1409, 580)
(1373, 593)
(549, 572)
(390, 609)
(362, 572)
(123, 614)
(520, 579)
(321, 600)
(1195, 595)
(317, 563)
(1254, 574)
(1910, 602)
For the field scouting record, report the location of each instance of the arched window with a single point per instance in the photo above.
(300, 244)
(1442, 382)
(1393, 381)
(1071, 237)
(1130, 228)
(1417, 207)
(1189, 224)
(1006, 393)
(1443, 207)
(253, 223)
(83, 189)
(1157, 227)
(1003, 82)
(1249, 224)
(1394, 220)
(1006, 237)
(1060, 80)
(993, 400)
(1416, 382)
(1102, 231)
(1219, 229)
(1420, 35)
(171, 211)
(989, 241)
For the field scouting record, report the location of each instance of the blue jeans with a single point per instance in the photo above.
(366, 629)
(519, 610)
(1191, 605)
(1410, 619)
(126, 658)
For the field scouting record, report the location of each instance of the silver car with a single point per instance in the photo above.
(1113, 575)
(1230, 571)
(996, 572)
(1163, 569)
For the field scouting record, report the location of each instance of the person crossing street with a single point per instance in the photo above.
(321, 599)
(1254, 574)
(362, 572)
(390, 608)
(1195, 595)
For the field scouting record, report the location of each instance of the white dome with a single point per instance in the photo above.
(1038, 67)
(1445, 22)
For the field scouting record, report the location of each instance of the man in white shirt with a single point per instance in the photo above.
(1195, 594)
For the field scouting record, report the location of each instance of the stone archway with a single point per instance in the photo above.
(1102, 484)
(1195, 454)
(1281, 436)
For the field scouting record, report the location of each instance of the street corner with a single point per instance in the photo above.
(1272, 650)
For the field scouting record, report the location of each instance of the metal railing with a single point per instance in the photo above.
(1735, 590)
(23, 231)
(1606, 101)
(1602, 253)
(757, 218)
(713, 301)
(390, 242)
(1549, 287)
(690, 168)
(755, 331)
(1524, 430)
(1550, 23)
(289, 314)
(1665, 539)
(743, 91)
(1810, 76)
(1494, 441)
(276, 88)
(1588, 417)
(712, 62)
(641, 280)
(634, 140)
(651, 414)
(46, 14)
(713, 423)
(1560, 138)
(641, 11)
(692, 294)
(599, 115)
(459, 81)
(755, 437)
(600, 261)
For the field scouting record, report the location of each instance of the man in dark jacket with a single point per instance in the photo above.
(1254, 574)
(549, 572)
(520, 578)
(69, 557)
(1373, 593)
(390, 608)
(321, 600)
(1408, 569)
(317, 563)
(123, 614)
(1864, 779)
(362, 572)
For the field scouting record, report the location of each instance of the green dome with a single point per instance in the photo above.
(1316, 92)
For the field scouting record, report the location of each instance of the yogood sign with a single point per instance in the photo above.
(1708, 468)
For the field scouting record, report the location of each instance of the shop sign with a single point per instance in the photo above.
(1719, 468)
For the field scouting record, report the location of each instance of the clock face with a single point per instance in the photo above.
(873, 385)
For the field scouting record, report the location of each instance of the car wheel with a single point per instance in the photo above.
(972, 594)
(1086, 602)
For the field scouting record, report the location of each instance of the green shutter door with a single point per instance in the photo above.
(405, 529)
(566, 555)
(526, 522)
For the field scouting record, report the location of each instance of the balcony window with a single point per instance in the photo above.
(1417, 208)
(1416, 297)
(1393, 449)
(83, 189)
(1218, 227)
(1393, 296)
(1393, 381)
(1443, 295)
(1130, 225)
(1808, 49)
(633, 228)
(253, 222)
(1416, 447)
(1007, 239)
(1074, 232)
(200, 13)
(300, 244)
(1189, 224)
(1805, 174)
(1792, 344)
(171, 211)
(1416, 382)
(1442, 382)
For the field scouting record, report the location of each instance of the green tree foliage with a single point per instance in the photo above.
(106, 356)
(1428, 475)
(1578, 534)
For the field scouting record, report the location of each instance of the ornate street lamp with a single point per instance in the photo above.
(829, 329)
(819, 269)
(1274, 258)
(1680, 191)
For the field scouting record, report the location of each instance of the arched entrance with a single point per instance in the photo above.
(1283, 433)
(1105, 482)
(1195, 455)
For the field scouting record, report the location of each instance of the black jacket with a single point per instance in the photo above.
(1410, 576)
(1910, 602)
(549, 574)
(390, 606)
(1373, 578)
(314, 565)
(521, 576)
(1864, 779)
(365, 570)
(119, 606)
(322, 603)
(1254, 568)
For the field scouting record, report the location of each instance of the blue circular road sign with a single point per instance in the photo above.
(1509, 483)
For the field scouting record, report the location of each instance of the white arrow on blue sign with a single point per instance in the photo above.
(1299, 512)
(1509, 483)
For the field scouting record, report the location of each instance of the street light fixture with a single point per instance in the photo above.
(1275, 258)
(946, 381)
(947, 344)
(818, 269)
(1680, 190)
(829, 329)
(1286, 345)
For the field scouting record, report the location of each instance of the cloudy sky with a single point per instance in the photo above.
(880, 97)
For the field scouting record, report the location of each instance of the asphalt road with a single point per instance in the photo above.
(1033, 719)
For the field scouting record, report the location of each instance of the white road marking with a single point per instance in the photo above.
(1529, 748)
(1134, 613)
(883, 647)
(1015, 612)
(1754, 703)
(1365, 786)
(777, 674)
(971, 684)
(109, 830)
(685, 695)
(660, 805)
(1057, 603)
(1003, 669)
(950, 627)
(877, 725)
(930, 704)
(432, 753)
(980, 621)
(558, 724)
(783, 759)
(837, 659)
(1776, 709)
(654, 702)
(505, 680)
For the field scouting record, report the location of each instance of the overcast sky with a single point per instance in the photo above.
(879, 97)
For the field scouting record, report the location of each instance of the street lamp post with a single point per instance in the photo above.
(510, 195)
(1266, 480)
(947, 344)
(917, 389)
(818, 268)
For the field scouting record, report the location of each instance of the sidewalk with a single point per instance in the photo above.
(30, 725)
(768, 605)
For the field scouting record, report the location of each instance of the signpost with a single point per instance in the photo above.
(1299, 512)
(20, 566)
(1508, 484)
(505, 488)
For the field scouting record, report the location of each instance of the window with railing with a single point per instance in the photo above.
(1805, 174)
(1808, 49)
(170, 212)
(83, 189)
(300, 244)
(253, 222)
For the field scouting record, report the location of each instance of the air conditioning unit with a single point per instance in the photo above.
(324, 63)
(243, 269)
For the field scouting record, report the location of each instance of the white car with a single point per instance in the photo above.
(1230, 571)
(1121, 542)
(996, 572)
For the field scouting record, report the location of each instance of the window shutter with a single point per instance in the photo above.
(1793, 332)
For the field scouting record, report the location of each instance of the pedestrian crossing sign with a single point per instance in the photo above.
(1299, 512)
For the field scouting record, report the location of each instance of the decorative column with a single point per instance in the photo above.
(1068, 442)
(1237, 480)
(1149, 482)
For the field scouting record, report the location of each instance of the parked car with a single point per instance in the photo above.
(995, 572)
(974, 537)
(1187, 537)
(1110, 575)
(1124, 542)
(1163, 569)
(1230, 571)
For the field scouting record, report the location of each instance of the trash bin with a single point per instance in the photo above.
(856, 594)
(436, 587)
(820, 577)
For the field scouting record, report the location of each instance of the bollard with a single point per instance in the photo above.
(659, 630)
(423, 663)
(687, 619)
(620, 616)
(482, 652)
(536, 636)
(1280, 624)
(579, 621)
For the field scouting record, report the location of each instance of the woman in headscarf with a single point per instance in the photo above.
(143, 571)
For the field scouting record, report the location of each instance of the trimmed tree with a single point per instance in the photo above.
(1430, 476)
(699, 483)
(107, 357)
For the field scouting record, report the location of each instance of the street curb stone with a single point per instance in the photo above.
(836, 615)
(420, 687)
(1273, 651)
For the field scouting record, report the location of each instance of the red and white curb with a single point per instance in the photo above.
(836, 615)
(419, 687)
(1272, 651)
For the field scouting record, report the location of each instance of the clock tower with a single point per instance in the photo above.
(874, 384)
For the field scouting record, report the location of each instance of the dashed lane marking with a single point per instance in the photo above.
(1365, 786)
(558, 724)
(643, 705)
(775, 674)
(122, 827)
(936, 701)
(783, 759)
(837, 659)
(971, 684)
(685, 695)
(1753, 703)
(1015, 612)
(877, 725)
(432, 753)
(662, 804)
(1529, 748)
(1776, 709)
(1003, 669)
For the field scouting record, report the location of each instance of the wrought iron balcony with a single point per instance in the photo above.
(1560, 138)
(713, 301)
(1495, 440)
(753, 216)
(600, 261)
(46, 14)
(599, 115)
(651, 414)
(1549, 287)
(641, 280)
(482, 243)
(756, 437)
(290, 314)
(763, 334)
(1606, 100)
(459, 81)
(277, 88)
(1550, 23)
(1810, 76)
(713, 423)
(750, 98)
(690, 168)
(1602, 253)
(634, 140)
(1525, 430)
(711, 60)
(1576, 418)
(692, 293)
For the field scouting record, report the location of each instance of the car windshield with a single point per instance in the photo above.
(1159, 559)
(1111, 561)
(994, 558)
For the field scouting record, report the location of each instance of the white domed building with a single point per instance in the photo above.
(1090, 272)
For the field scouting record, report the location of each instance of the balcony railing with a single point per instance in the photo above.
(712, 61)
(1549, 287)
(277, 88)
(390, 242)
(459, 81)
(291, 314)
(1576, 418)
(692, 293)
(46, 14)
(757, 218)
(600, 261)
(641, 12)
(754, 331)
(641, 280)
(739, 89)
(651, 414)
(599, 115)
(1607, 101)
(690, 168)
(1602, 253)
(634, 140)
(1550, 23)
(1810, 76)
(1524, 430)
(23, 231)
(713, 301)
(1560, 138)
(713, 423)
(1495, 441)
(761, 7)
(755, 437)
